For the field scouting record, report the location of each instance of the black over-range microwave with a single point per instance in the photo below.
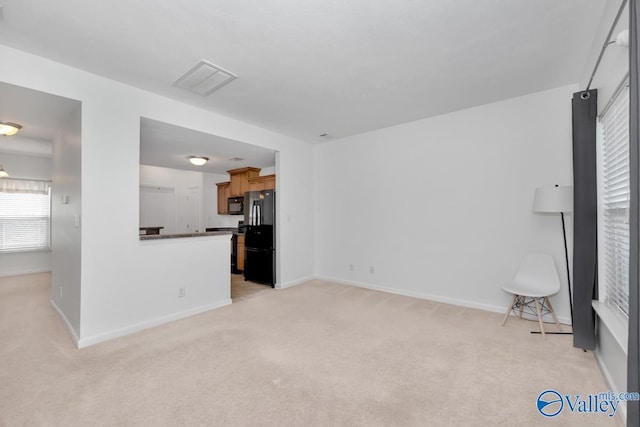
(235, 205)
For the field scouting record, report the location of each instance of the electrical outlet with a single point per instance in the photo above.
(60, 291)
(372, 269)
(182, 292)
(351, 267)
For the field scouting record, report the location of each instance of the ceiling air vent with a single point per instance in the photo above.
(204, 78)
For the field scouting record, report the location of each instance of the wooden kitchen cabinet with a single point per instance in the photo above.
(224, 191)
(240, 180)
(267, 182)
(240, 253)
(256, 184)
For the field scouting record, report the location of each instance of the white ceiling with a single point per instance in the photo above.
(40, 114)
(168, 146)
(305, 68)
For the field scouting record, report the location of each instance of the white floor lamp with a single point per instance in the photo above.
(557, 200)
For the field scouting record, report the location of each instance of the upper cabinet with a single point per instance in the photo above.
(224, 189)
(240, 180)
(267, 182)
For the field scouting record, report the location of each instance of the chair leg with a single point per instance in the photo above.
(506, 316)
(523, 300)
(553, 313)
(539, 317)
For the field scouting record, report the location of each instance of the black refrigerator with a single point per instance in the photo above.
(260, 236)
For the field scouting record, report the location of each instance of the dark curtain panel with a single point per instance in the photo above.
(585, 225)
(633, 352)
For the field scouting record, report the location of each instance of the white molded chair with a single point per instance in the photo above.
(536, 280)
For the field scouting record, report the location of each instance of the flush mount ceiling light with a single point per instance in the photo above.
(198, 160)
(3, 173)
(8, 128)
(204, 78)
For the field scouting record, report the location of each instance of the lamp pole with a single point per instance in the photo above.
(553, 200)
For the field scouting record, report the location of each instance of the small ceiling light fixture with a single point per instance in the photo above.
(8, 128)
(3, 173)
(198, 160)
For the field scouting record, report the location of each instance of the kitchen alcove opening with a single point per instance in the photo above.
(180, 198)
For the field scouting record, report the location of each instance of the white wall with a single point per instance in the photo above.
(612, 357)
(181, 181)
(268, 171)
(442, 207)
(210, 207)
(25, 167)
(114, 272)
(164, 264)
(65, 230)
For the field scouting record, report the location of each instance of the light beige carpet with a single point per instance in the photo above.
(318, 354)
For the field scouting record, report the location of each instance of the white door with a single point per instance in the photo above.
(192, 211)
(157, 208)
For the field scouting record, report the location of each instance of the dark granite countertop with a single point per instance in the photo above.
(234, 230)
(182, 235)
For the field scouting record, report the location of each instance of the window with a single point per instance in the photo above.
(615, 202)
(25, 208)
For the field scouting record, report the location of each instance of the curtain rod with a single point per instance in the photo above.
(624, 83)
(585, 93)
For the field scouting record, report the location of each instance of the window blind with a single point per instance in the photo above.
(615, 197)
(25, 208)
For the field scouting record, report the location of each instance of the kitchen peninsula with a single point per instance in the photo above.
(183, 235)
(193, 268)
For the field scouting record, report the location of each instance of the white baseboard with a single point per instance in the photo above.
(23, 272)
(612, 385)
(293, 283)
(430, 297)
(74, 335)
(105, 336)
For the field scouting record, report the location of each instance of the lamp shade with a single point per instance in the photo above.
(553, 199)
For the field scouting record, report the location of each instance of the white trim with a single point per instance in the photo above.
(74, 335)
(23, 272)
(294, 282)
(612, 385)
(614, 324)
(105, 336)
(446, 300)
